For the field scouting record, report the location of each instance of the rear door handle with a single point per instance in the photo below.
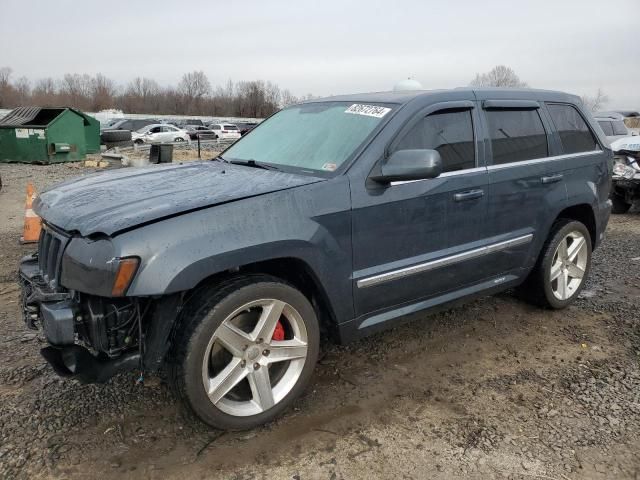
(551, 179)
(470, 195)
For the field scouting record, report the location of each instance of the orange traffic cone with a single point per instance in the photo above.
(32, 222)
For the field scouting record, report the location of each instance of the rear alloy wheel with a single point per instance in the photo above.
(562, 268)
(179, 139)
(246, 357)
(569, 265)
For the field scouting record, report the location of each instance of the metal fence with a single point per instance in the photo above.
(204, 143)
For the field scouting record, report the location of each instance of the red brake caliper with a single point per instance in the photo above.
(278, 333)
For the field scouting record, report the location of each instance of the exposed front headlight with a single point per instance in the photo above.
(94, 267)
(621, 169)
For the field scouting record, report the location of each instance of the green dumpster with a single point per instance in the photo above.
(47, 135)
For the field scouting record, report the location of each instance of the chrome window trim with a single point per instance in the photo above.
(442, 262)
(454, 173)
(543, 160)
(503, 165)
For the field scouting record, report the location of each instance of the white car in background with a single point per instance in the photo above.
(612, 124)
(159, 133)
(225, 131)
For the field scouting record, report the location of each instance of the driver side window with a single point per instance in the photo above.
(450, 132)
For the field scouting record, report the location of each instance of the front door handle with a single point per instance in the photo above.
(470, 195)
(551, 179)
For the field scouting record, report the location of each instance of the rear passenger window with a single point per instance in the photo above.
(516, 135)
(450, 132)
(574, 132)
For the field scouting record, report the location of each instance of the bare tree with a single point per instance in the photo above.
(499, 76)
(45, 87)
(44, 93)
(272, 94)
(287, 98)
(597, 102)
(194, 86)
(103, 91)
(143, 87)
(142, 95)
(6, 89)
(23, 91)
(5, 76)
(76, 90)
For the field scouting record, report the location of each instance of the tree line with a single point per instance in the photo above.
(193, 95)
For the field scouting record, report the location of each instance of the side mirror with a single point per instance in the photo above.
(405, 165)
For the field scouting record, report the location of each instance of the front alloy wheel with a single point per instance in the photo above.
(255, 357)
(245, 349)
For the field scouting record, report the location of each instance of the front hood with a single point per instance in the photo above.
(116, 200)
(629, 144)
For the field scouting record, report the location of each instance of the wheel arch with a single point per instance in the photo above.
(294, 271)
(583, 213)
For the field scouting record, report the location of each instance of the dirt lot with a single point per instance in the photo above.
(493, 389)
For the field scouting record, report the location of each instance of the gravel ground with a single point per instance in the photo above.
(492, 389)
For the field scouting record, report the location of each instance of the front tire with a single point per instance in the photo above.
(562, 268)
(244, 351)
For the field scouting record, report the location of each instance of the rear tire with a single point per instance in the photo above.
(619, 204)
(562, 267)
(239, 375)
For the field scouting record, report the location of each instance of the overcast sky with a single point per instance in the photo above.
(332, 46)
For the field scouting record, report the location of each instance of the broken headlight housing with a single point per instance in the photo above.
(625, 167)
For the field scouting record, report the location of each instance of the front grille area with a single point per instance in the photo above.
(50, 248)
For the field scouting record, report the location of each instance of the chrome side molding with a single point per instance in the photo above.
(443, 262)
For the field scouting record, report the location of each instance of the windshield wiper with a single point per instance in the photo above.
(253, 163)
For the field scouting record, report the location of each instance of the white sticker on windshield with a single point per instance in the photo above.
(368, 110)
(329, 167)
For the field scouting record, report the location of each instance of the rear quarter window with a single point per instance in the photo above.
(575, 135)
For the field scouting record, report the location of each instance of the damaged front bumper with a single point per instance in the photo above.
(59, 314)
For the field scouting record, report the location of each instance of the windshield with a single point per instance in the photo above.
(314, 136)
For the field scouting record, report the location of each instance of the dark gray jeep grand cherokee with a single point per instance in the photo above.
(344, 215)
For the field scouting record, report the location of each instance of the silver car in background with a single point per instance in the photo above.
(612, 124)
(160, 133)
